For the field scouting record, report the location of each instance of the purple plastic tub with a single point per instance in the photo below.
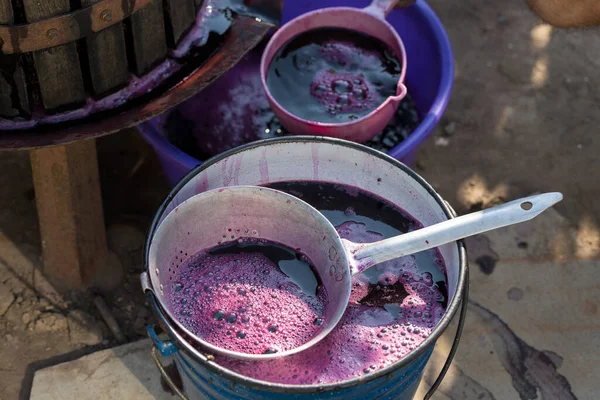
(429, 78)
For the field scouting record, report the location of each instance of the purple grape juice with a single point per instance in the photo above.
(236, 111)
(254, 297)
(393, 307)
(333, 75)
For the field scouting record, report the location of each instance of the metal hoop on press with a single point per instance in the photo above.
(66, 28)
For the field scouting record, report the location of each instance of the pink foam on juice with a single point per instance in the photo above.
(344, 92)
(391, 311)
(341, 91)
(245, 303)
(393, 307)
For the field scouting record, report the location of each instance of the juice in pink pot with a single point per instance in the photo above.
(333, 75)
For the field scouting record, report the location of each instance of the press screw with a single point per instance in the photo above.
(106, 15)
(52, 34)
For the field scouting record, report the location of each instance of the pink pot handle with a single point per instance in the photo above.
(397, 98)
(381, 8)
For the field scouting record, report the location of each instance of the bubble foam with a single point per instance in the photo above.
(391, 311)
(244, 303)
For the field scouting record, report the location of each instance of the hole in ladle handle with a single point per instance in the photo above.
(527, 205)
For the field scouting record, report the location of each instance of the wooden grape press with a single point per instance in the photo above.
(75, 70)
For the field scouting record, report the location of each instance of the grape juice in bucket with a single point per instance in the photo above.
(393, 307)
(252, 297)
(304, 159)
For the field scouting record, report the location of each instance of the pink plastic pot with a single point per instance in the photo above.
(369, 20)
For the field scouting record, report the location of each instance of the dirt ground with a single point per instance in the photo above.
(39, 326)
(523, 118)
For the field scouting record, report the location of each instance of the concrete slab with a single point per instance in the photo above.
(125, 372)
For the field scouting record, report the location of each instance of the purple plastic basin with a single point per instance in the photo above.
(429, 79)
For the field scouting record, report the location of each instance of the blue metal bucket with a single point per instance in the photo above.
(202, 382)
(292, 158)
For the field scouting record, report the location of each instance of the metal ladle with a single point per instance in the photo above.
(216, 217)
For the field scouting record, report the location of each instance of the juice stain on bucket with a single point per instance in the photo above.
(249, 297)
(235, 111)
(333, 75)
(393, 307)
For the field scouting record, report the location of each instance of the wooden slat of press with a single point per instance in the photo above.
(58, 68)
(108, 58)
(149, 39)
(181, 15)
(14, 100)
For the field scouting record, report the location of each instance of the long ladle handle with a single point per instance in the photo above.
(381, 8)
(366, 255)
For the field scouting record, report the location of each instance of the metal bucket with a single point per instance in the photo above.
(303, 158)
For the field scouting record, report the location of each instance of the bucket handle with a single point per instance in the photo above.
(459, 329)
(165, 348)
(166, 376)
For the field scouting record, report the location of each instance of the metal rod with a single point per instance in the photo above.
(109, 319)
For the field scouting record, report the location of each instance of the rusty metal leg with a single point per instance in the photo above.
(70, 214)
